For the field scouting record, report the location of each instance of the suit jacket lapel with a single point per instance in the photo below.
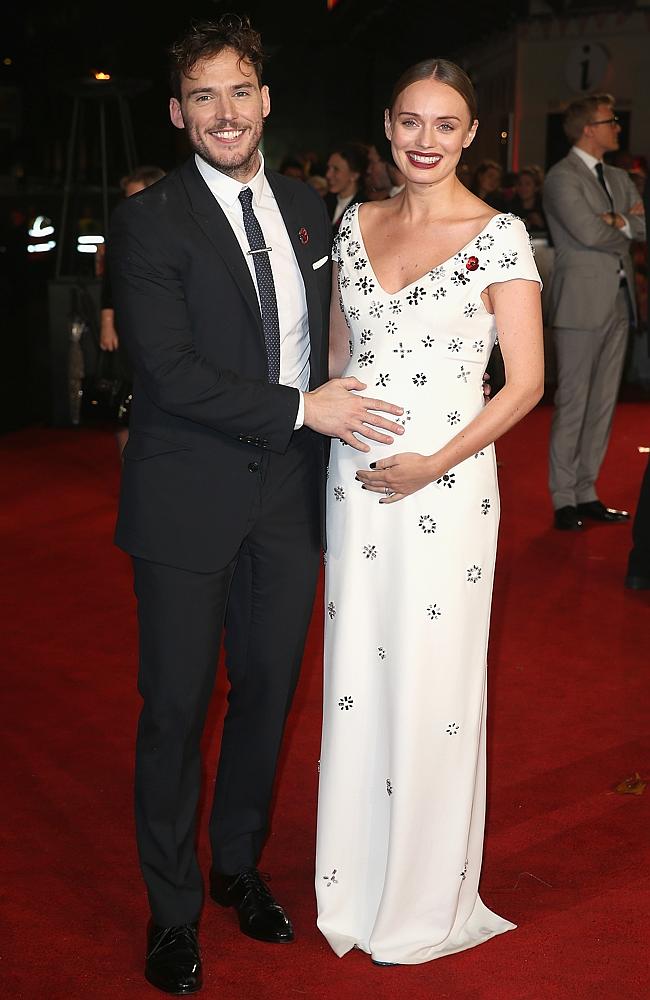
(209, 216)
(595, 183)
(284, 199)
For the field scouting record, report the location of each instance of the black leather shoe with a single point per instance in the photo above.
(566, 519)
(260, 916)
(597, 511)
(633, 582)
(173, 962)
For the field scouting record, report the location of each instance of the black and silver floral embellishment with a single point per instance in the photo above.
(485, 506)
(365, 359)
(460, 278)
(353, 248)
(455, 345)
(346, 703)
(365, 284)
(478, 346)
(470, 310)
(463, 373)
(383, 380)
(395, 306)
(427, 524)
(420, 379)
(370, 551)
(484, 242)
(428, 341)
(508, 259)
(389, 786)
(453, 417)
(339, 493)
(331, 879)
(438, 273)
(401, 350)
(391, 327)
(376, 309)
(360, 263)
(474, 574)
(452, 729)
(405, 418)
(415, 296)
(365, 336)
(448, 480)
(439, 293)
(381, 652)
(331, 610)
(503, 221)
(463, 874)
(434, 612)
(345, 233)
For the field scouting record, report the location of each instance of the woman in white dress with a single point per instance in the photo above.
(423, 283)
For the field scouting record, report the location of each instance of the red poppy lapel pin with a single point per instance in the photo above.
(472, 263)
(303, 236)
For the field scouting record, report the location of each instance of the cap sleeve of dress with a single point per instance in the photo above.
(512, 255)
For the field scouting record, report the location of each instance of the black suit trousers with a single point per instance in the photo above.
(265, 597)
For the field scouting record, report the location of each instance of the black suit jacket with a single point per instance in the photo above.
(203, 410)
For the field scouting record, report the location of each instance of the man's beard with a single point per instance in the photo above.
(233, 164)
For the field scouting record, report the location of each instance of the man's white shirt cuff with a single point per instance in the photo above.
(300, 415)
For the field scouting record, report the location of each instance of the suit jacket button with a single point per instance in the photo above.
(253, 466)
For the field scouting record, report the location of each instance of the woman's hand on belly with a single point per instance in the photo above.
(400, 475)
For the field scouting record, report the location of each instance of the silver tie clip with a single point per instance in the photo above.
(261, 250)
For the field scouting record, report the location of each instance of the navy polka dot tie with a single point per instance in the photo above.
(265, 285)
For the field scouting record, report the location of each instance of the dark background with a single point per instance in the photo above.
(330, 72)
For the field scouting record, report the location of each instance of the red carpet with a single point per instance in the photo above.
(566, 857)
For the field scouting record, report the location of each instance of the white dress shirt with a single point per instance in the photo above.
(591, 162)
(289, 286)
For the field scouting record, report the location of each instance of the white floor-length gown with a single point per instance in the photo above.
(408, 594)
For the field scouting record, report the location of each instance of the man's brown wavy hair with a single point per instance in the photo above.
(205, 39)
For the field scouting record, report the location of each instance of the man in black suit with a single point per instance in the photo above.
(222, 287)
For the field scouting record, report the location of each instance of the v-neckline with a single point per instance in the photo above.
(431, 269)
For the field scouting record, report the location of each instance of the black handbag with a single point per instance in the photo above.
(106, 395)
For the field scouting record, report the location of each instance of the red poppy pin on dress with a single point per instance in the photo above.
(472, 263)
(304, 236)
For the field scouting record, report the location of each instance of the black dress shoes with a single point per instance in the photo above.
(173, 962)
(567, 519)
(260, 916)
(597, 511)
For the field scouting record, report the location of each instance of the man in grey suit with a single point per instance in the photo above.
(593, 212)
